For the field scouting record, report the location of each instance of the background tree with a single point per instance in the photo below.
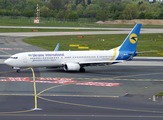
(29, 13)
(149, 16)
(93, 13)
(113, 8)
(55, 12)
(79, 7)
(131, 12)
(88, 2)
(116, 15)
(104, 16)
(68, 7)
(160, 16)
(83, 3)
(91, 7)
(16, 13)
(45, 12)
(80, 1)
(142, 7)
(142, 15)
(98, 18)
(55, 4)
(60, 15)
(76, 2)
(103, 4)
(80, 10)
(127, 9)
(18, 7)
(73, 15)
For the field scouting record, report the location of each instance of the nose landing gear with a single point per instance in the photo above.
(17, 69)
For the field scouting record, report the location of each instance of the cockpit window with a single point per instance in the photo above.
(13, 57)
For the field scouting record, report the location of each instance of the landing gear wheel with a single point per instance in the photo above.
(82, 70)
(18, 71)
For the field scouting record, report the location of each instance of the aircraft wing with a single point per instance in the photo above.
(57, 47)
(101, 62)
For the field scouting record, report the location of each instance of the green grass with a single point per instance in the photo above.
(4, 30)
(147, 42)
(159, 94)
(52, 23)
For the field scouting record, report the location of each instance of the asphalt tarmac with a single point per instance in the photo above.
(116, 92)
(132, 99)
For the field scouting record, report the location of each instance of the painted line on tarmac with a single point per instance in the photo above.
(5, 52)
(14, 71)
(16, 112)
(37, 95)
(60, 81)
(82, 105)
(17, 95)
(34, 84)
(101, 107)
(57, 95)
(139, 75)
(47, 80)
(35, 100)
(11, 48)
(91, 116)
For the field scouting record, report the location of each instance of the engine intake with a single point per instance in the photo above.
(71, 67)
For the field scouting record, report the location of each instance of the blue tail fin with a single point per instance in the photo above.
(131, 41)
(57, 47)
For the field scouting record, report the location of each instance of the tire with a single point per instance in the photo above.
(18, 71)
(82, 70)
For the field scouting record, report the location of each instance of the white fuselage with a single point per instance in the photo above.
(59, 58)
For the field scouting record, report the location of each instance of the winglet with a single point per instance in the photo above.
(57, 47)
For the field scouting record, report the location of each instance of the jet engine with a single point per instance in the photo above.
(71, 67)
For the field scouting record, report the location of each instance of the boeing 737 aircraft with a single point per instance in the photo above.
(77, 60)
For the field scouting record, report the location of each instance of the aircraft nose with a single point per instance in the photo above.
(8, 62)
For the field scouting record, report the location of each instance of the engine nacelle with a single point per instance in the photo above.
(71, 67)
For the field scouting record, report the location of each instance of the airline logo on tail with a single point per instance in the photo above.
(133, 38)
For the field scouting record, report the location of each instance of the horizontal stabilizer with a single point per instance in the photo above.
(146, 52)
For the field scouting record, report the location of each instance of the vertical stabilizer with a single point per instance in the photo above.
(57, 47)
(131, 41)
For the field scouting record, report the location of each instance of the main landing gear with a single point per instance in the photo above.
(18, 71)
(82, 70)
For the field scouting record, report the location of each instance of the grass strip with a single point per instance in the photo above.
(159, 94)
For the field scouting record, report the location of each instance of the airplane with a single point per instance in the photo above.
(77, 60)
